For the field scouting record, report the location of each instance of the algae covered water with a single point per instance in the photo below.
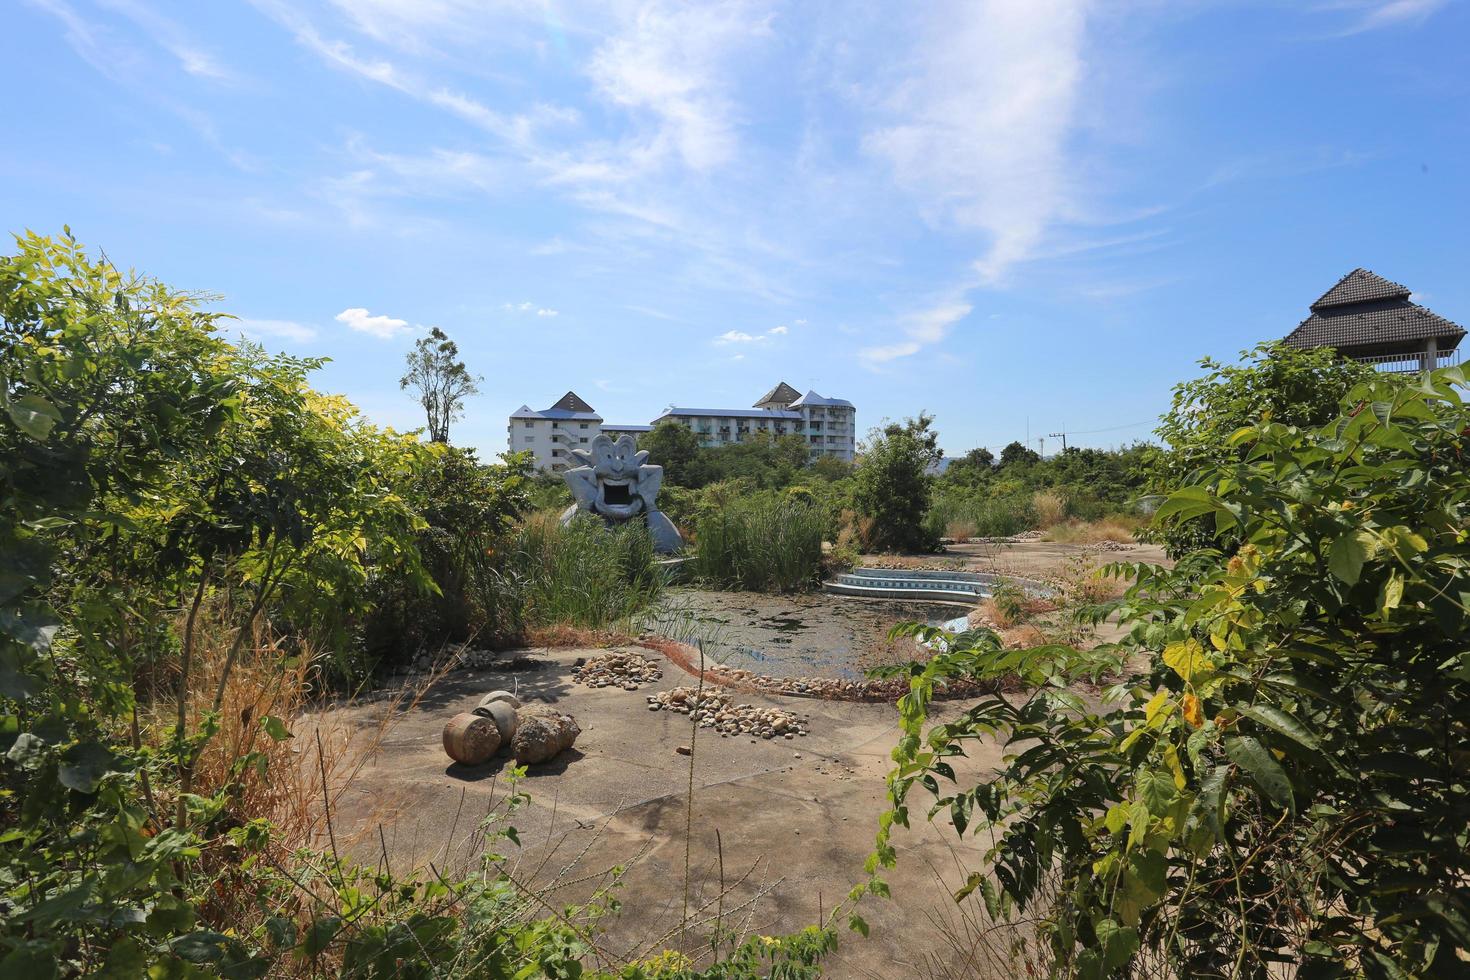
(808, 635)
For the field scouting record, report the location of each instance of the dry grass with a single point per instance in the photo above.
(1118, 528)
(1049, 507)
(960, 531)
(566, 635)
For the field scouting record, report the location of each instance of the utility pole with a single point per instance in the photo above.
(1041, 444)
(1063, 437)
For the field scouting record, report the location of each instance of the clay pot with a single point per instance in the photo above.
(470, 739)
(494, 696)
(503, 715)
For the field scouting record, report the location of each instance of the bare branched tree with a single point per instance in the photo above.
(441, 380)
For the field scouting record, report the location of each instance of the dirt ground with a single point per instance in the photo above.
(792, 821)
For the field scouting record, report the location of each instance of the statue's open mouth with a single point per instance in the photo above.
(618, 498)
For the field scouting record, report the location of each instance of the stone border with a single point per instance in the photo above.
(873, 691)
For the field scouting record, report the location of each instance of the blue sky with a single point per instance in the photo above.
(1010, 213)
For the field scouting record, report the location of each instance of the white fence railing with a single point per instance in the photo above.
(1410, 362)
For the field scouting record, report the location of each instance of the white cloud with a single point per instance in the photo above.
(667, 60)
(977, 123)
(923, 328)
(738, 337)
(382, 327)
(1378, 14)
(529, 308)
(270, 329)
(779, 331)
(168, 35)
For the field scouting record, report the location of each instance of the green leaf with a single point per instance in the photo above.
(1118, 944)
(1263, 769)
(83, 766)
(275, 728)
(203, 946)
(1348, 554)
(857, 923)
(1279, 721)
(33, 961)
(320, 935)
(1156, 789)
(33, 415)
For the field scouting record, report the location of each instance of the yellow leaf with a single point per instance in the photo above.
(1171, 757)
(1158, 709)
(1186, 657)
(1193, 711)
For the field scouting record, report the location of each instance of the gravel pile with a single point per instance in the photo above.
(718, 710)
(625, 670)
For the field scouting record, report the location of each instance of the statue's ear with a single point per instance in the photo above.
(583, 456)
(641, 457)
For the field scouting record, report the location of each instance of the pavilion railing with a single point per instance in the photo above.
(1395, 363)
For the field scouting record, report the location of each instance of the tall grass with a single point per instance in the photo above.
(974, 517)
(584, 574)
(763, 544)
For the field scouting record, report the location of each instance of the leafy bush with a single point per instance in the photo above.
(893, 488)
(763, 543)
(1289, 783)
(468, 509)
(1273, 383)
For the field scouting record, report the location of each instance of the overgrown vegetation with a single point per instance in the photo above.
(762, 544)
(1286, 788)
(184, 524)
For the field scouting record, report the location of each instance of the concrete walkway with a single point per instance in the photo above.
(795, 819)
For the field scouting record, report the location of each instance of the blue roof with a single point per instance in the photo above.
(733, 413)
(610, 427)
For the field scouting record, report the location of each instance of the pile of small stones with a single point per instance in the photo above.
(462, 658)
(625, 670)
(718, 710)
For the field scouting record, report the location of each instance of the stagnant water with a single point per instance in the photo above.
(815, 635)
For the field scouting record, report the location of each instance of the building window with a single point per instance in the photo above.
(530, 424)
(582, 425)
(582, 439)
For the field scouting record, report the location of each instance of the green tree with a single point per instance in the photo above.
(1286, 783)
(675, 447)
(441, 381)
(1016, 454)
(893, 487)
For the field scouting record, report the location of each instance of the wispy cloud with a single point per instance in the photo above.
(1377, 14)
(665, 61)
(976, 125)
(922, 328)
(738, 337)
(192, 56)
(276, 329)
(529, 308)
(741, 337)
(382, 327)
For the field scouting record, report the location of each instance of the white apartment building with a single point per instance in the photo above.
(550, 434)
(829, 425)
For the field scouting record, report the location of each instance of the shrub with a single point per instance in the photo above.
(1289, 782)
(893, 488)
(763, 544)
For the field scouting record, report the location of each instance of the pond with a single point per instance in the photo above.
(809, 635)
